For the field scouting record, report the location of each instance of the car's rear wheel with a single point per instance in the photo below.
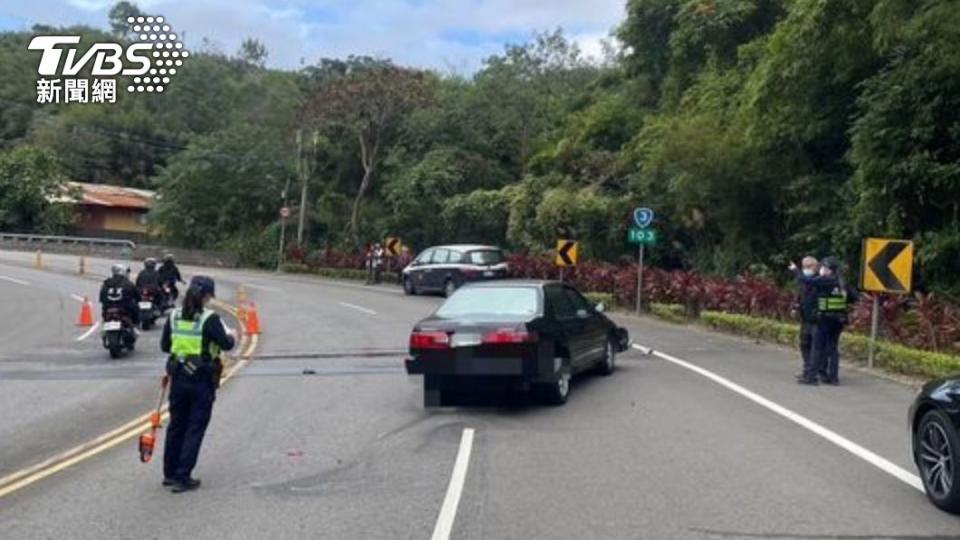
(608, 364)
(449, 287)
(408, 287)
(557, 391)
(937, 447)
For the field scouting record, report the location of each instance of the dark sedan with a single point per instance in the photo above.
(934, 426)
(531, 334)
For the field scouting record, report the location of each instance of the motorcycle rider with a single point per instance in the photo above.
(118, 291)
(170, 275)
(148, 283)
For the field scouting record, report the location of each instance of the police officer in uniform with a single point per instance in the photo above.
(834, 299)
(194, 335)
(806, 309)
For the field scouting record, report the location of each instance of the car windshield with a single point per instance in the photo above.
(485, 257)
(501, 302)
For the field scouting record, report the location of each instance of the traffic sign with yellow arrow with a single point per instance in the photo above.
(566, 252)
(887, 265)
(393, 246)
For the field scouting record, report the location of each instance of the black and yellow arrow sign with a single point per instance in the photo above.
(567, 251)
(887, 265)
(393, 245)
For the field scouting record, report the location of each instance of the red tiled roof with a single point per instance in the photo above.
(113, 196)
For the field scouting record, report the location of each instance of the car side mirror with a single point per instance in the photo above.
(600, 307)
(582, 313)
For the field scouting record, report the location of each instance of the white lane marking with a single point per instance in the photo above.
(448, 511)
(15, 280)
(87, 334)
(872, 458)
(358, 308)
(77, 297)
(262, 287)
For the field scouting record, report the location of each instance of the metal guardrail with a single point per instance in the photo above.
(73, 240)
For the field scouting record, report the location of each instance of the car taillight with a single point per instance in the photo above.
(429, 340)
(509, 335)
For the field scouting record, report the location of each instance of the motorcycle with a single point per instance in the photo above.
(118, 332)
(151, 305)
(170, 294)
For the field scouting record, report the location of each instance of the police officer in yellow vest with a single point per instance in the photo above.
(194, 336)
(834, 299)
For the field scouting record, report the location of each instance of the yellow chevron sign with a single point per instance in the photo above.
(887, 265)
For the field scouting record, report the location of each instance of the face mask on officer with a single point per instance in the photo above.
(809, 272)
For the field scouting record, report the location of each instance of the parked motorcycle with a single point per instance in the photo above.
(117, 332)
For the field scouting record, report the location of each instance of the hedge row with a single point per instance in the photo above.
(888, 356)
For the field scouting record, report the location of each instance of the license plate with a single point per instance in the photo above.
(488, 273)
(112, 325)
(465, 340)
(146, 305)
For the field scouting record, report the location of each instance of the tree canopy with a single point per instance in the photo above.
(759, 130)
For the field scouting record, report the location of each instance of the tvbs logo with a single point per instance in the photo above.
(151, 62)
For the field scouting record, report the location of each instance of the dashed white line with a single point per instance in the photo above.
(15, 280)
(358, 308)
(90, 331)
(448, 512)
(870, 457)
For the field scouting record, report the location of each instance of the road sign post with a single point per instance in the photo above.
(874, 329)
(887, 268)
(641, 235)
(567, 254)
(640, 279)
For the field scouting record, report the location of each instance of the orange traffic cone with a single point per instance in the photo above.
(253, 320)
(86, 313)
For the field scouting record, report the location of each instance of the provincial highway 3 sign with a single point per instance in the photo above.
(567, 252)
(887, 265)
(642, 217)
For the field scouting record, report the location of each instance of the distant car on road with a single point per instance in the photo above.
(531, 334)
(444, 269)
(934, 426)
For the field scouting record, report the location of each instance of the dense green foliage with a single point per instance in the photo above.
(758, 130)
(29, 178)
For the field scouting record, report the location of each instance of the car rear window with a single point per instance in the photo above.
(501, 302)
(485, 257)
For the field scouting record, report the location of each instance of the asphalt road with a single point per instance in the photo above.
(322, 434)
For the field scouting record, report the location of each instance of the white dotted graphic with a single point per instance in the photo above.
(166, 45)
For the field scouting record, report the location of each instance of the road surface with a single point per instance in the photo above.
(322, 434)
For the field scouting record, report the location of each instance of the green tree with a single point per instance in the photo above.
(368, 105)
(30, 183)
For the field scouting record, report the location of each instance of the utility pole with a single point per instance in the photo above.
(304, 164)
(301, 171)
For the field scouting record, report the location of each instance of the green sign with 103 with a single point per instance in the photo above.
(642, 236)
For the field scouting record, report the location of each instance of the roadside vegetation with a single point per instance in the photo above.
(759, 130)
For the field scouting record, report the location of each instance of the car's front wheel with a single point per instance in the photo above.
(449, 287)
(937, 447)
(408, 287)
